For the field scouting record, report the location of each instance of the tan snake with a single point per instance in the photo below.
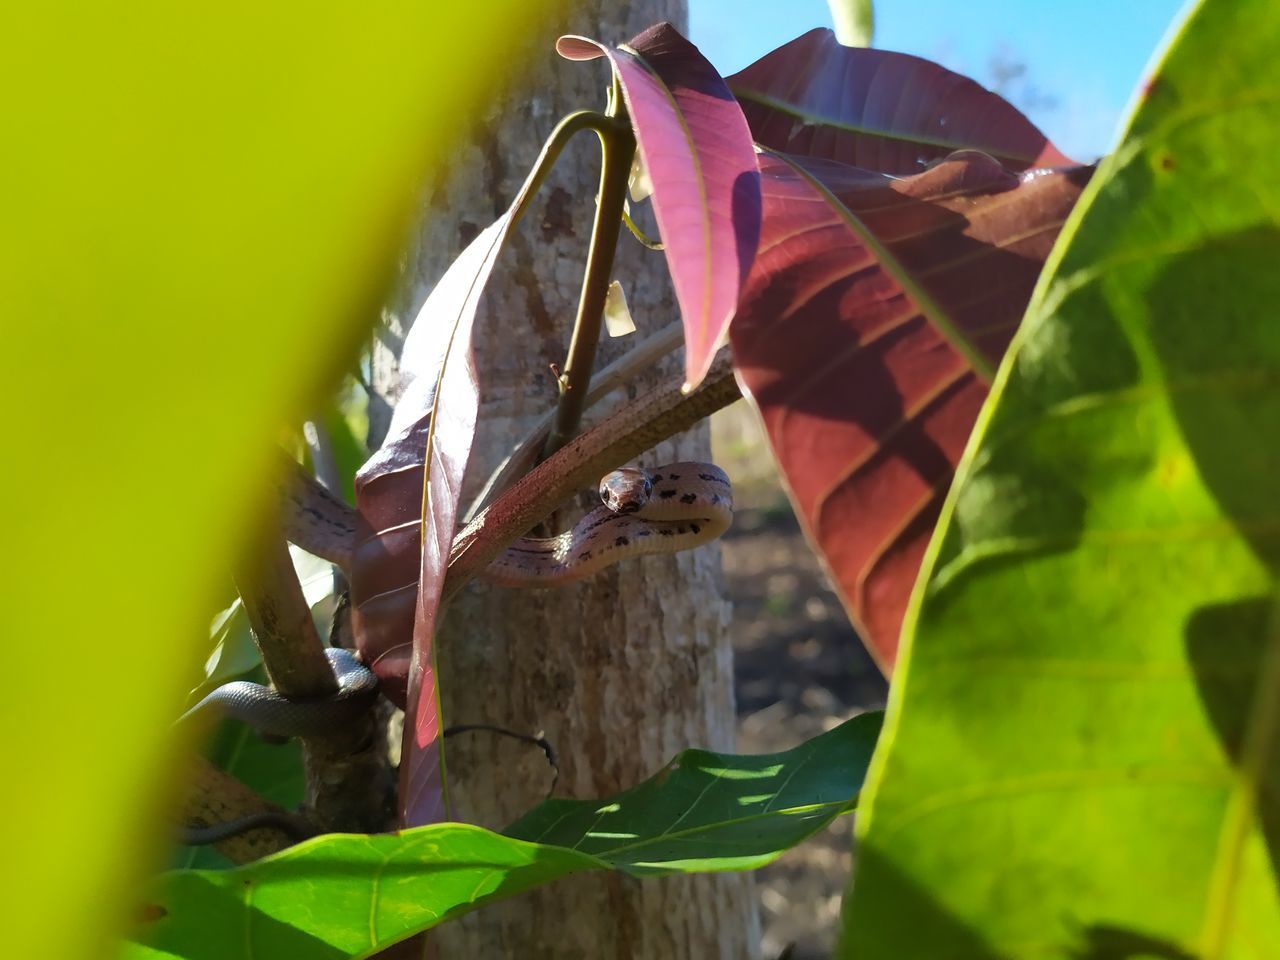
(675, 507)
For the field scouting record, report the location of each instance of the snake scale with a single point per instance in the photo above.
(675, 507)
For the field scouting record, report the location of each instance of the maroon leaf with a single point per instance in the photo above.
(395, 581)
(871, 302)
(706, 190)
(883, 111)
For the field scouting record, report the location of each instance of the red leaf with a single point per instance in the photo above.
(883, 111)
(395, 582)
(870, 302)
(706, 190)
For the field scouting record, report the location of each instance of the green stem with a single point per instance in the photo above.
(618, 147)
(645, 240)
(574, 123)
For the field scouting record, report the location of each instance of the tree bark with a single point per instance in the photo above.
(620, 672)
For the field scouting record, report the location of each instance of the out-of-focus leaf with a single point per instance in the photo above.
(854, 21)
(701, 166)
(884, 111)
(868, 307)
(348, 452)
(348, 896)
(202, 206)
(1084, 744)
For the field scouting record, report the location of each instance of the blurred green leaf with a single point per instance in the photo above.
(348, 450)
(854, 21)
(1082, 756)
(204, 206)
(348, 896)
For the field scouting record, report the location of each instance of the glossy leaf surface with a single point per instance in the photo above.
(701, 165)
(712, 811)
(1084, 746)
(884, 111)
(870, 305)
(202, 206)
(348, 896)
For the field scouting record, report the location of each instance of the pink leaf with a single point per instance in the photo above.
(706, 189)
(883, 111)
(870, 304)
(401, 553)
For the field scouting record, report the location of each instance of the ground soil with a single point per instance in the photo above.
(800, 670)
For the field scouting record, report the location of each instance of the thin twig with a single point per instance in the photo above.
(644, 238)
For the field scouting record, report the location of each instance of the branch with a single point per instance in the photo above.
(313, 518)
(343, 766)
(216, 797)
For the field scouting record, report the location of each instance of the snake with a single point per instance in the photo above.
(278, 717)
(674, 507)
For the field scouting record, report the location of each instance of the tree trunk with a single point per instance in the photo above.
(620, 672)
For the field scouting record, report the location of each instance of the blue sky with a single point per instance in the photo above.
(1082, 60)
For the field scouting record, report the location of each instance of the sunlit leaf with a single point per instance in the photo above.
(1083, 752)
(348, 896)
(713, 811)
(867, 311)
(202, 206)
(696, 150)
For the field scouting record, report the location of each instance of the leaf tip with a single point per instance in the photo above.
(573, 47)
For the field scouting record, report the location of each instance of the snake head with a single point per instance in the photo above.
(626, 489)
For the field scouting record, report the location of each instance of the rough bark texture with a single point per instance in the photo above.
(629, 668)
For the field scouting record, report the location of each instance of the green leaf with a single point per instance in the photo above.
(203, 205)
(349, 896)
(1082, 756)
(714, 811)
(348, 449)
(344, 895)
(854, 21)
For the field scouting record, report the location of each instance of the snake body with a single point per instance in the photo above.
(274, 715)
(675, 507)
